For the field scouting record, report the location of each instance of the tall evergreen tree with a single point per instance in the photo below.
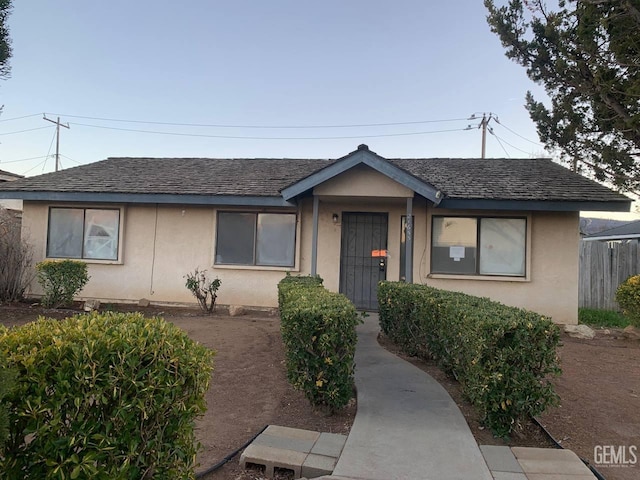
(5, 41)
(586, 54)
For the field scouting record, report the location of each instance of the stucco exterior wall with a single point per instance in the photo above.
(551, 287)
(160, 245)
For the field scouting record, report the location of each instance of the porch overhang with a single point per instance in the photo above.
(362, 156)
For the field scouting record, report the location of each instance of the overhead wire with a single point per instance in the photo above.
(517, 134)
(69, 158)
(20, 118)
(214, 125)
(27, 130)
(512, 146)
(500, 143)
(48, 151)
(242, 137)
(21, 160)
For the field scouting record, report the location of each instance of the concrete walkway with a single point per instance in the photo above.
(407, 425)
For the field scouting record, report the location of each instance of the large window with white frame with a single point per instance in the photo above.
(256, 239)
(479, 246)
(85, 233)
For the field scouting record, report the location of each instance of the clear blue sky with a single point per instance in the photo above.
(293, 63)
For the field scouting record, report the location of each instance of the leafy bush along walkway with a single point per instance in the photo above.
(407, 426)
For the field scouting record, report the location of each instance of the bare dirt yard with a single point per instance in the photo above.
(599, 390)
(248, 390)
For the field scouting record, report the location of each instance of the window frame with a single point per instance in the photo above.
(84, 208)
(476, 275)
(255, 265)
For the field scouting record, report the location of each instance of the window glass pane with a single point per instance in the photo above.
(276, 242)
(502, 246)
(234, 241)
(65, 233)
(453, 245)
(101, 234)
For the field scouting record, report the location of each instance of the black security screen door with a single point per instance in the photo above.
(363, 257)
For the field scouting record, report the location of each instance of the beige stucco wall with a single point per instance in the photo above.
(156, 257)
(161, 244)
(551, 286)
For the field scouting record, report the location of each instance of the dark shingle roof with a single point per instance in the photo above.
(495, 179)
(631, 228)
(8, 176)
(506, 179)
(183, 176)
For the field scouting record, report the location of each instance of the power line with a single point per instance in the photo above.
(49, 151)
(499, 142)
(239, 137)
(21, 160)
(517, 134)
(69, 158)
(35, 166)
(22, 131)
(512, 146)
(214, 125)
(20, 118)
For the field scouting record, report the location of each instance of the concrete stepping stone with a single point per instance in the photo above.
(308, 454)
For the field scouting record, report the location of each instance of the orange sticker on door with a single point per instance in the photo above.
(378, 253)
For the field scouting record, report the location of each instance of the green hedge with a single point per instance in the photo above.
(105, 396)
(318, 331)
(7, 383)
(502, 356)
(628, 297)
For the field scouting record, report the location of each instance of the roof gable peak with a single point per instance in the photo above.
(363, 156)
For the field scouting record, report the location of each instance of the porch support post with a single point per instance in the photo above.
(314, 238)
(408, 254)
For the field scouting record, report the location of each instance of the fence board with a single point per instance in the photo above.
(603, 267)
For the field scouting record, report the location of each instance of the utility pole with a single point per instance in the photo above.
(483, 124)
(58, 125)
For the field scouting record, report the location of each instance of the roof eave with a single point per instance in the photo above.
(161, 198)
(535, 205)
(611, 238)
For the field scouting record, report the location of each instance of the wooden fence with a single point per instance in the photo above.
(604, 266)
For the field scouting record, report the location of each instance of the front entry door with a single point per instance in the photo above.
(363, 257)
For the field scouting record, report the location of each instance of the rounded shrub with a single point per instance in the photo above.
(106, 396)
(61, 280)
(628, 297)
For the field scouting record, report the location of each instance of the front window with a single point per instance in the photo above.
(479, 246)
(261, 239)
(86, 233)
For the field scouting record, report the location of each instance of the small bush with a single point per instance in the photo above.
(318, 331)
(108, 396)
(61, 280)
(502, 356)
(16, 255)
(628, 297)
(203, 289)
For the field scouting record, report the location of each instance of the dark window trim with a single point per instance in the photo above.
(255, 238)
(478, 219)
(84, 215)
